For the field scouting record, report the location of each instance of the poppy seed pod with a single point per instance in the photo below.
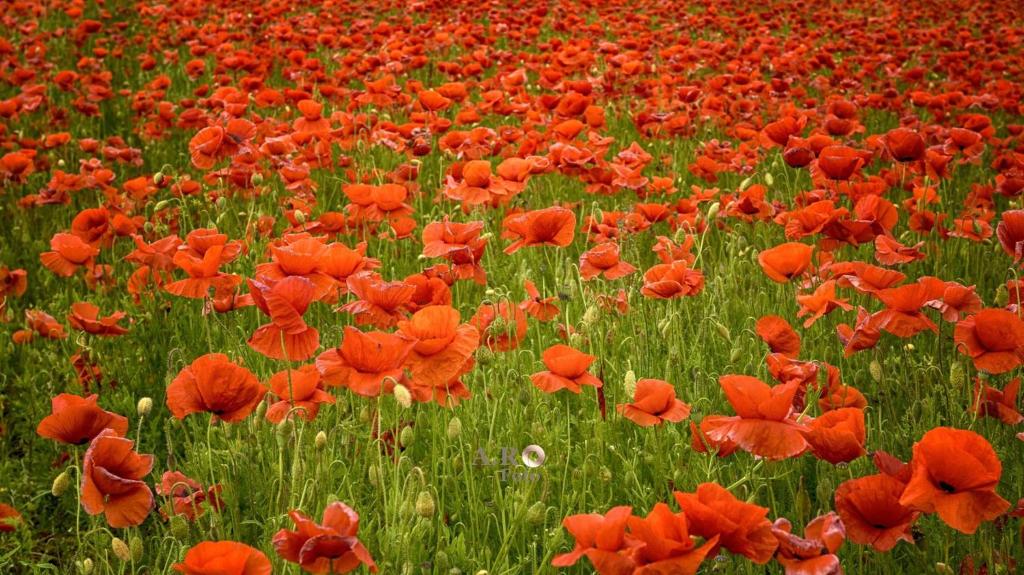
(144, 406)
(875, 369)
(61, 484)
(120, 548)
(425, 506)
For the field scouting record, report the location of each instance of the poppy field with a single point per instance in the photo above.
(511, 287)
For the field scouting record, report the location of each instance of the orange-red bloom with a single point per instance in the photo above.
(299, 393)
(740, 527)
(77, 420)
(993, 339)
(327, 547)
(554, 226)
(838, 436)
(287, 336)
(654, 402)
(814, 553)
(599, 538)
(9, 518)
(763, 424)
(68, 253)
(368, 363)
(603, 260)
(224, 558)
(213, 384)
(442, 354)
(112, 483)
(871, 511)
(676, 279)
(779, 335)
(85, 316)
(567, 369)
(785, 261)
(187, 497)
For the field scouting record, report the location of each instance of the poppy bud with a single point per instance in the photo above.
(769, 178)
(373, 476)
(135, 546)
(144, 406)
(535, 514)
(590, 316)
(802, 502)
(824, 490)
(735, 354)
(61, 163)
(723, 331)
(364, 415)
(713, 211)
(576, 340)
(284, 431)
(606, 474)
(406, 437)
(484, 356)
(441, 559)
(179, 527)
(221, 202)
(148, 227)
(300, 217)
(629, 383)
(61, 484)
(944, 569)
(454, 428)
(320, 441)
(875, 369)
(257, 178)
(405, 510)
(482, 572)
(746, 183)
(121, 550)
(261, 411)
(403, 396)
(425, 505)
(524, 396)
(84, 566)
(1002, 296)
(498, 327)
(957, 376)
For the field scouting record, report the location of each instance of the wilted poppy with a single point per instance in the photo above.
(77, 420)
(213, 384)
(222, 558)
(654, 402)
(327, 547)
(814, 553)
(567, 369)
(112, 484)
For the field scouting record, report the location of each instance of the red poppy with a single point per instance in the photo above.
(555, 226)
(742, 528)
(871, 511)
(112, 483)
(864, 277)
(993, 339)
(367, 363)
(541, 308)
(77, 420)
(904, 145)
(86, 317)
(460, 244)
(654, 402)
(1001, 404)
(204, 251)
(599, 538)
(224, 558)
(838, 436)
(903, 317)
(677, 279)
(213, 384)
(779, 335)
(785, 261)
(68, 253)
(814, 553)
(327, 547)
(603, 260)
(955, 473)
(12, 282)
(822, 301)
(567, 369)
(287, 336)
(839, 162)
(502, 325)
(300, 255)
(442, 354)
(187, 496)
(9, 518)
(299, 393)
(763, 424)
(381, 303)
(665, 545)
(1010, 232)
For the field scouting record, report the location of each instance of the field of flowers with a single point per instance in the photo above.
(511, 287)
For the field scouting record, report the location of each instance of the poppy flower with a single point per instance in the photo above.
(287, 336)
(665, 545)
(541, 308)
(213, 384)
(200, 258)
(839, 162)
(654, 402)
(300, 255)
(502, 325)
(779, 335)
(599, 538)
(68, 253)
(785, 261)
(701, 443)
(567, 369)
(443, 351)
(1010, 233)
(368, 363)
(993, 339)
(603, 260)
(955, 473)
(77, 420)
(9, 518)
(12, 282)
(327, 547)
(554, 226)
(763, 424)
(459, 243)
(838, 435)
(1001, 404)
(902, 316)
(224, 558)
(814, 553)
(904, 145)
(890, 252)
(381, 303)
(871, 511)
(677, 279)
(188, 498)
(742, 528)
(298, 392)
(821, 301)
(112, 483)
(86, 317)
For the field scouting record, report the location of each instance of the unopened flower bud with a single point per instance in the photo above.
(723, 331)
(713, 211)
(406, 437)
(403, 396)
(769, 178)
(121, 550)
(257, 179)
(875, 369)
(629, 382)
(454, 428)
(425, 504)
(158, 178)
(321, 440)
(535, 514)
(84, 566)
(136, 548)
(300, 217)
(179, 527)
(61, 484)
(144, 406)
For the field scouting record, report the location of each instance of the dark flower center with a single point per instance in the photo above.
(947, 487)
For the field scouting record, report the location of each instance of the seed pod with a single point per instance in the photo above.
(875, 369)
(425, 505)
(144, 406)
(454, 428)
(403, 396)
(535, 514)
(121, 550)
(957, 375)
(406, 437)
(320, 441)
(61, 483)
